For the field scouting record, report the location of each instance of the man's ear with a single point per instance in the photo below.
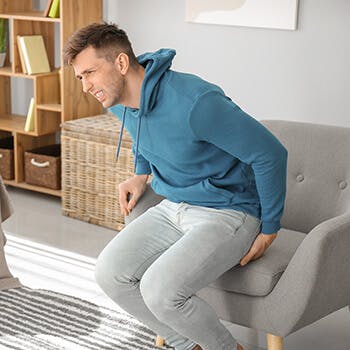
(122, 63)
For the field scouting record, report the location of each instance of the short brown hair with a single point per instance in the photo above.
(108, 39)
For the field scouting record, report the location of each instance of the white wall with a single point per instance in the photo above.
(274, 74)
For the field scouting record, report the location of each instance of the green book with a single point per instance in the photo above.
(29, 125)
(34, 54)
(54, 9)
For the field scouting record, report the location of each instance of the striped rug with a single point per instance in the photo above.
(33, 319)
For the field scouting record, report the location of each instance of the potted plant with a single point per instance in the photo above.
(3, 40)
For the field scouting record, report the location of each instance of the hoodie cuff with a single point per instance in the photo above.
(143, 168)
(270, 227)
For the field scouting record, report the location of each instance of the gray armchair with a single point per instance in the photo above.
(6, 279)
(304, 275)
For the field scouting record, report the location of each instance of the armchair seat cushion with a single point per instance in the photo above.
(259, 277)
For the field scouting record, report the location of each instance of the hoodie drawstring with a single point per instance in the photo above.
(137, 141)
(121, 134)
(137, 138)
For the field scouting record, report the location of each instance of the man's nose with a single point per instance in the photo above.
(86, 85)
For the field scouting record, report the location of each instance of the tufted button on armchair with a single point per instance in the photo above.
(304, 275)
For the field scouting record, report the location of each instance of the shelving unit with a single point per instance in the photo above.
(58, 95)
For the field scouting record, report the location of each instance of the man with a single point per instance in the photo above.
(222, 173)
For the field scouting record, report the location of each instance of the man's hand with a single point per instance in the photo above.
(130, 192)
(261, 243)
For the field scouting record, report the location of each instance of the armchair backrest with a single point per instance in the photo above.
(318, 172)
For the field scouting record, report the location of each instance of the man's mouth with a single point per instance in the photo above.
(99, 95)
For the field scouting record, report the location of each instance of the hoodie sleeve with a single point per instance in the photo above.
(216, 119)
(142, 165)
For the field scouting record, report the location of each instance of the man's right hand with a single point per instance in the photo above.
(130, 192)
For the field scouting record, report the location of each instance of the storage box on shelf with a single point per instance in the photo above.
(43, 166)
(58, 95)
(90, 173)
(6, 158)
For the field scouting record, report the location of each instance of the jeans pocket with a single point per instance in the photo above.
(250, 229)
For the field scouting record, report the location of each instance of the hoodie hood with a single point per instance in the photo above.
(155, 64)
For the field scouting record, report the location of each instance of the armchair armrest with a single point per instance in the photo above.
(149, 199)
(317, 279)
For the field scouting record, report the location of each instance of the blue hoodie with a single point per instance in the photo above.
(201, 148)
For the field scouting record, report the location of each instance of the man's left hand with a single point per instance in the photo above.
(261, 243)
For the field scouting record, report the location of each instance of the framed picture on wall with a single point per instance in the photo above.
(278, 14)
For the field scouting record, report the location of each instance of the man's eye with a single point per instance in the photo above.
(85, 74)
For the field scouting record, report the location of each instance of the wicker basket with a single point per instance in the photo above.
(90, 173)
(42, 166)
(7, 158)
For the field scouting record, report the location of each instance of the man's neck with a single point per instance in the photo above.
(134, 85)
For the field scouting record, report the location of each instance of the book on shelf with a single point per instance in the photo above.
(29, 125)
(47, 8)
(54, 11)
(34, 54)
(21, 58)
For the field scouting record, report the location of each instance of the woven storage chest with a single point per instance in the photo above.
(90, 173)
(42, 166)
(7, 158)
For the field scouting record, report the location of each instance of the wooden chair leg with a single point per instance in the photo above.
(274, 342)
(159, 341)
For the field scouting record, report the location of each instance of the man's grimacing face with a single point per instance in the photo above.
(99, 77)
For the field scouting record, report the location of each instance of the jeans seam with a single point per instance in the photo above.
(149, 258)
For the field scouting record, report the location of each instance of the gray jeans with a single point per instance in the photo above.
(154, 267)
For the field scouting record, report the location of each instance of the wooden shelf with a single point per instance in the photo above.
(30, 16)
(57, 193)
(7, 71)
(54, 107)
(55, 93)
(14, 123)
